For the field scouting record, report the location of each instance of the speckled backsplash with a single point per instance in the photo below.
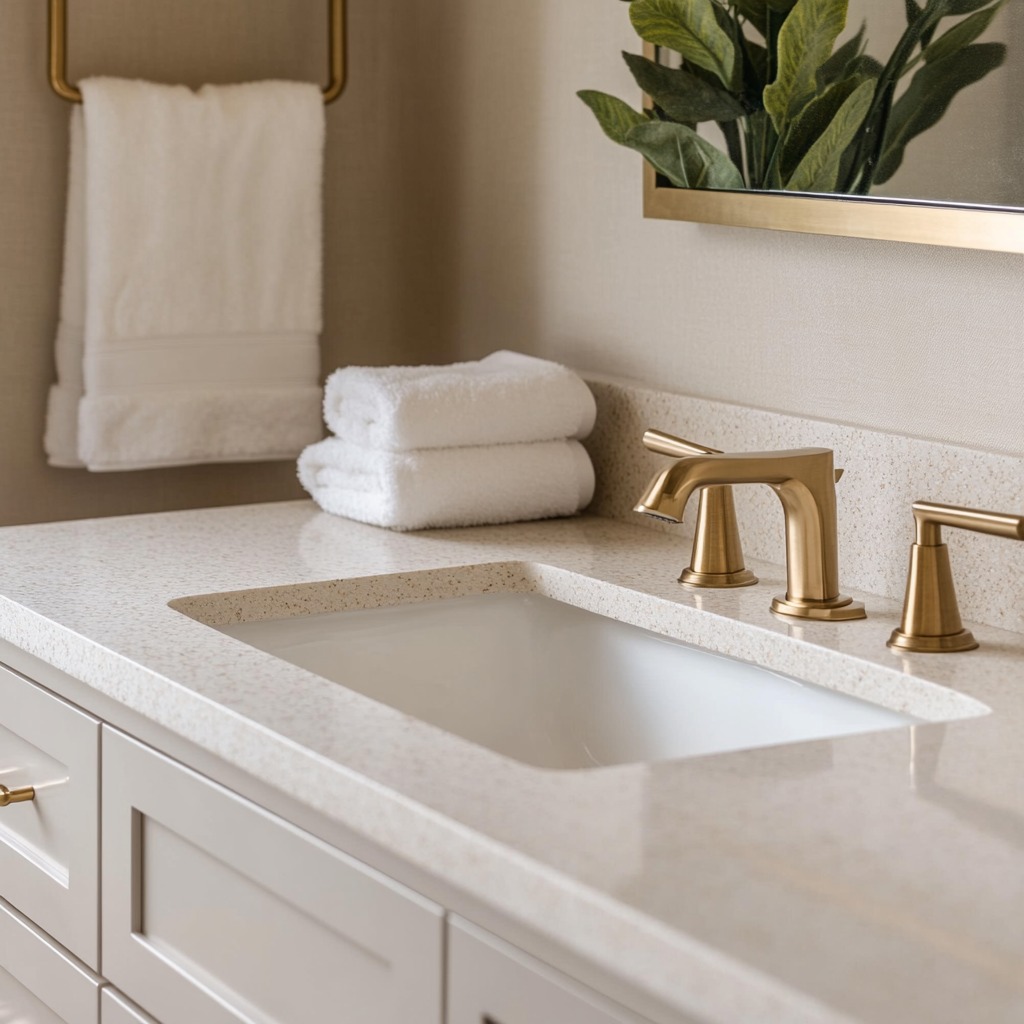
(885, 474)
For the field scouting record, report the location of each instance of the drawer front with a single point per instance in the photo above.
(215, 911)
(41, 983)
(117, 1009)
(49, 845)
(491, 982)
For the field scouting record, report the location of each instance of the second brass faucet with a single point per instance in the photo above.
(804, 480)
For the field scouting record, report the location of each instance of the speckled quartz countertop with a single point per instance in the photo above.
(876, 878)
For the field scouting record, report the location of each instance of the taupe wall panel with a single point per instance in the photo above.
(473, 204)
(389, 208)
(912, 339)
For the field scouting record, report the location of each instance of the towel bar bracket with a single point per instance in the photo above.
(65, 90)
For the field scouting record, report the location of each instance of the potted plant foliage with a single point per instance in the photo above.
(796, 111)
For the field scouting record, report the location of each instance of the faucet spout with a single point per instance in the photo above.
(804, 480)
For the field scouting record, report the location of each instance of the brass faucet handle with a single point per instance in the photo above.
(931, 616)
(717, 557)
(678, 448)
(929, 518)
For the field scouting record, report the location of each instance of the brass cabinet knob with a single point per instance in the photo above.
(717, 556)
(16, 796)
(931, 617)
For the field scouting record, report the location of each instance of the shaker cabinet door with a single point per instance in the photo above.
(49, 845)
(216, 911)
(117, 1009)
(40, 981)
(491, 982)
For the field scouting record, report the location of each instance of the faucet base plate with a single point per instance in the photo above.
(838, 609)
(695, 578)
(950, 643)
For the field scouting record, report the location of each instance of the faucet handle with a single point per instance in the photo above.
(717, 556)
(668, 444)
(931, 617)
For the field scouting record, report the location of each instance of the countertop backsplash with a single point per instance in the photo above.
(885, 474)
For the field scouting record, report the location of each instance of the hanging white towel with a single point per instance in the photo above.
(506, 398)
(191, 304)
(448, 486)
(61, 438)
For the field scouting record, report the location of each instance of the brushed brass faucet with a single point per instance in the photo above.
(931, 617)
(717, 556)
(804, 479)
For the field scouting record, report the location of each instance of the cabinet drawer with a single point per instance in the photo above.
(491, 982)
(41, 983)
(49, 845)
(215, 911)
(116, 1009)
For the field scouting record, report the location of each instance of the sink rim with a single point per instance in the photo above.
(769, 645)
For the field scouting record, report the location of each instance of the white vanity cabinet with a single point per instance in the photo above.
(49, 846)
(491, 982)
(117, 1009)
(215, 911)
(40, 982)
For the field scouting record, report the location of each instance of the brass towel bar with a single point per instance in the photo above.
(59, 51)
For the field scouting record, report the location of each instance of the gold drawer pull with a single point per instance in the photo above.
(16, 796)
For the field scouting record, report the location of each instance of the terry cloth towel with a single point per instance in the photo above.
(504, 399)
(448, 486)
(191, 302)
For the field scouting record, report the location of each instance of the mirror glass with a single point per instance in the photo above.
(974, 154)
(958, 178)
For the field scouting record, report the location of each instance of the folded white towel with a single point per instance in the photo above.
(448, 486)
(506, 398)
(191, 305)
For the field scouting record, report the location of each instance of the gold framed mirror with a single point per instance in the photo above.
(965, 227)
(933, 222)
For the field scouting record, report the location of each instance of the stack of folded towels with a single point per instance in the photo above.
(493, 441)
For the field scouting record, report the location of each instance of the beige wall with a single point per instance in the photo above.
(388, 208)
(917, 340)
(472, 204)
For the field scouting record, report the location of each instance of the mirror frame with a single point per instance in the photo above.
(965, 226)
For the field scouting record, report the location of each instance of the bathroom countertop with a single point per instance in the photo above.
(875, 878)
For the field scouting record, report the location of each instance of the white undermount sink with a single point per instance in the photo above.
(555, 686)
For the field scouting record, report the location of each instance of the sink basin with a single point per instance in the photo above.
(555, 686)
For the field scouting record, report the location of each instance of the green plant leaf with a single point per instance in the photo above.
(691, 29)
(755, 72)
(928, 97)
(962, 34)
(954, 8)
(819, 169)
(687, 160)
(837, 65)
(756, 12)
(814, 122)
(614, 116)
(805, 44)
(683, 96)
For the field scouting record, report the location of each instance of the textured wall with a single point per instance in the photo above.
(918, 340)
(472, 204)
(388, 207)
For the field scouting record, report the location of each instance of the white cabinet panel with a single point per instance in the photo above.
(215, 911)
(491, 982)
(40, 982)
(49, 845)
(118, 1009)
